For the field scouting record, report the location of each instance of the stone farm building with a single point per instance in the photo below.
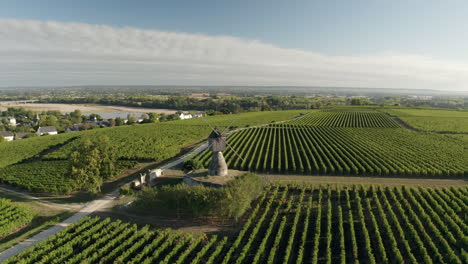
(7, 135)
(49, 130)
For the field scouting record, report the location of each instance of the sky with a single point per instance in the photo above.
(413, 44)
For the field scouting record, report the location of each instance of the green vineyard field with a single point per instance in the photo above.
(164, 140)
(13, 216)
(44, 176)
(435, 120)
(19, 150)
(354, 119)
(141, 142)
(309, 150)
(288, 224)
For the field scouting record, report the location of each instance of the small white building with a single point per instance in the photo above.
(12, 121)
(185, 116)
(198, 114)
(7, 135)
(49, 130)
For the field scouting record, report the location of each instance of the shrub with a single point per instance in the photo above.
(231, 201)
(192, 164)
(126, 190)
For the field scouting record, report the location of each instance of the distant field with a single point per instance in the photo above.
(354, 119)
(244, 119)
(85, 108)
(287, 224)
(344, 151)
(437, 120)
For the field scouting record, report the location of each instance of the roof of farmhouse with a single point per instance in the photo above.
(48, 129)
(6, 133)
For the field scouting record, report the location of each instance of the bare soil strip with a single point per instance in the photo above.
(350, 180)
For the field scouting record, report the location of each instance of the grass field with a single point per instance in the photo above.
(287, 224)
(436, 120)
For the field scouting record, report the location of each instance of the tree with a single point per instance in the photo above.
(153, 117)
(119, 121)
(48, 120)
(131, 119)
(173, 117)
(85, 167)
(76, 116)
(92, 162)
(163, 117)
(192, 164)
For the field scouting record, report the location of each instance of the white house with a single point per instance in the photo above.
(7, 135)
(50, 130)
(185, 116)
(12, 121)
(198, 114)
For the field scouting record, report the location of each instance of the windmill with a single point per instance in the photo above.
(217, 144)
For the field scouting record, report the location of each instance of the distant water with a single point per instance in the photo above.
(113, 115)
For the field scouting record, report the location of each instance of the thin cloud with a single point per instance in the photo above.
(56, 53)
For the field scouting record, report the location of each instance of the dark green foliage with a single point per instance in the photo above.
(230, 201)
(92, 162)
(126, 190)
(192, 164)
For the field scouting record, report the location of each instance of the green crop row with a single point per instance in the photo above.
(354, 119)
(344, 151)
(44, 176)
(13, 216)
(290, 223)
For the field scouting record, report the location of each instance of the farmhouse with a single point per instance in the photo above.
(7, 135)
(12, 121)
(49, 130)
(198, 114)
(185, 116)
